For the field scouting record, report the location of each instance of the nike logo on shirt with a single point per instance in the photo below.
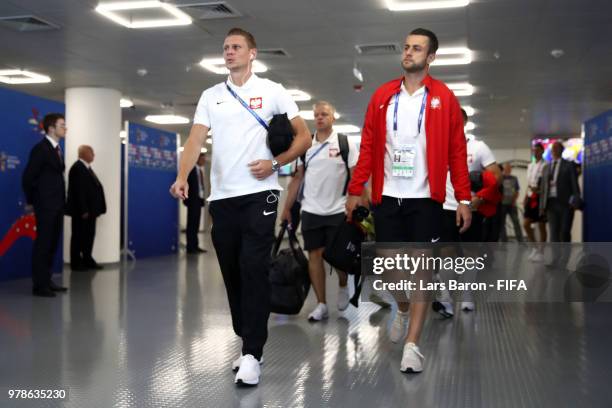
(268, 213)
(435, 240)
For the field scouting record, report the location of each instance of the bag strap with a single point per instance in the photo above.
(247, 107)
(344, 152)
(279, 238)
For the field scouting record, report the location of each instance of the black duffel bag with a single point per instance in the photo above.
(289, 279)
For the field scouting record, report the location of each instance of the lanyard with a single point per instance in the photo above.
(420, 121)
(314, 154)
(247, 107)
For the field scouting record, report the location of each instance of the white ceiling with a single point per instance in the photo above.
(523, 92)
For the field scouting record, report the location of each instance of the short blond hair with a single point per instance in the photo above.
(324, 103)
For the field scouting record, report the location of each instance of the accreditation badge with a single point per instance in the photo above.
(403, 161)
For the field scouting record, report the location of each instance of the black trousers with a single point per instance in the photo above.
(243, 235)
(48, 232)
(560, 219)
(194, 212)
(81, 241)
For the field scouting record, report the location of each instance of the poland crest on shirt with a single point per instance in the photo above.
(256, 103)
(435, 103)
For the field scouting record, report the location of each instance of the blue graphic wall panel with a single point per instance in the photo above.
(597, 178)
(21, 117)
(152, 212)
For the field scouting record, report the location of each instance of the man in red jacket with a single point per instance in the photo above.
(412, 135)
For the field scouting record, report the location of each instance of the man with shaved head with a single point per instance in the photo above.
(85, 203)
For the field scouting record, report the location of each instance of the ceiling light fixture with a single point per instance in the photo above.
(413, 5)
(209, 140)
(453, 56)
(167, 119)
(309, 115)
(346, 129)
(126, 103)
(298, 95)
(461, 88)
(18, 77)
(217, 66)
(112, 12)
(469, 126)
(357, 73)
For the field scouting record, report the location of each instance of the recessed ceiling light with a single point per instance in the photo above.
(469, 110)
(461, 88)
(217, 66)
(18, 76)
(557, 53)
(209, 140)
(299, 96)
(309, 115)
(453, 56)
(112, 12)
(203, 150)
(406, 5)
(167, 119)
(126, 103)
(346, 129)
(469, 126)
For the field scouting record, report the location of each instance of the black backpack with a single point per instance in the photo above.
(344, 153)
(289, 279)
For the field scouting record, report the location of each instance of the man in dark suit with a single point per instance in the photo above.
(44, 188)
(194, 204)
(562, 195)
(85, 203)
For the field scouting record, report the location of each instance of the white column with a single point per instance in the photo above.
(93, 117)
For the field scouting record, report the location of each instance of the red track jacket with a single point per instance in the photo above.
(446, 146)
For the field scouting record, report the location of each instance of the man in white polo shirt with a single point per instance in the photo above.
(244, 187)
(320, 183)
(479, 158)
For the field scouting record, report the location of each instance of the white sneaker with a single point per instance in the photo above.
(468, 306)
(343, 298)
(236, 362)
(531, 254)
(412, 359)
(399, 327)
(319, 313)
(249, 371)
(538, 257)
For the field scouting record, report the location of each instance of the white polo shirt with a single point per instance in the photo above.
(325, 177)
(408, 110)
(238, 138)
(479, 156)
(535, 171)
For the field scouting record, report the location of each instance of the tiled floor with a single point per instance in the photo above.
(157, 334)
